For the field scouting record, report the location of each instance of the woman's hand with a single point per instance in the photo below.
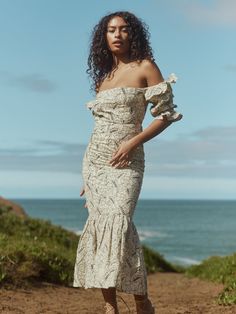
(122, 156)
(81, 194)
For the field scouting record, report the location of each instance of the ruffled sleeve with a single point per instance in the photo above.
(161, 97)
(90, 104)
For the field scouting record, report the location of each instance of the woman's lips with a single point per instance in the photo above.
(118, 43)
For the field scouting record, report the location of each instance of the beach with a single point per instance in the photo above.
(171, 293)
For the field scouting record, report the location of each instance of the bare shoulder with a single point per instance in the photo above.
(151, 72)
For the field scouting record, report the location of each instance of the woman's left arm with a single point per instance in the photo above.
(154, 128)
(153, 76)
(121, 157)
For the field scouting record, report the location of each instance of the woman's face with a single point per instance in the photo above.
(117, 35)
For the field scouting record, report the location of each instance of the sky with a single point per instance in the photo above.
(45, 124)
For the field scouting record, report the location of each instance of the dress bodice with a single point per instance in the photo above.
(128, 105)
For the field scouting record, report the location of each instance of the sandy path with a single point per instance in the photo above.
(171, 293)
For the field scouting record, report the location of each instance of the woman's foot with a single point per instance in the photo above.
(144, 306)
(110, 309)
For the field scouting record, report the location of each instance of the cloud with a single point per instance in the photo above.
(33, 82)
(161, 187)
(218, 12)
(200, 164)
(206, 153)
(39, 184)
(43, 155)
(230, 67)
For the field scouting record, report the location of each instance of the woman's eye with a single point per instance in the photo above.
(113, 30)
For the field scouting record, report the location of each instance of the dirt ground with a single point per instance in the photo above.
(170, 293)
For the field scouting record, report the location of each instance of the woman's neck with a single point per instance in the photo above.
(120, 60)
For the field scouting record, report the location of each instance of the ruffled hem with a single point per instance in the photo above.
(169, 116)
(128, 290)
(109, 254)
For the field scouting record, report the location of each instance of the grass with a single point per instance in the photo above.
(221, 270)
(35, 250)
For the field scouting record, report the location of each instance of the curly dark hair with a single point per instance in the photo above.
(100, 60)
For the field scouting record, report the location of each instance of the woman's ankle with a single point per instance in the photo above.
(138, 297)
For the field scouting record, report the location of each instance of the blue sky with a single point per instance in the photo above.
(45, 124)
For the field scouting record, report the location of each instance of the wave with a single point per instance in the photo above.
(147, 234)
(185, 260)
(76, 231)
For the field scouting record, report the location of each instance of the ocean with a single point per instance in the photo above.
(185, 232)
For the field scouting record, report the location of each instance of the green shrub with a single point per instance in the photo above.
(35, 250)
(155, 262)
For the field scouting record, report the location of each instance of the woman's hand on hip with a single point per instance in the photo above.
(122, 156)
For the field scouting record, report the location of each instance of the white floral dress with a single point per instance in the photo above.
(109, 252)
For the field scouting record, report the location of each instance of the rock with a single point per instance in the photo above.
(13, 207)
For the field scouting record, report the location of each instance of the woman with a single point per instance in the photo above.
(126, 78)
